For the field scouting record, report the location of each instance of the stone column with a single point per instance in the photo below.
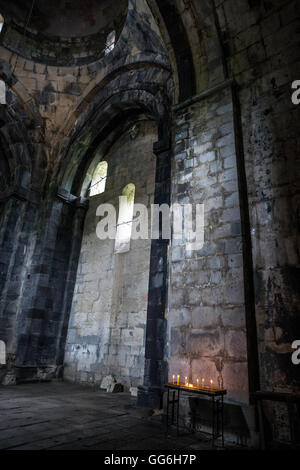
(155, 375)
(19, 212)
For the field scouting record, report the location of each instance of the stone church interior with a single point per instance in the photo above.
(106, 343)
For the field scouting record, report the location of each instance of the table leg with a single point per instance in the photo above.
(290, 407)
(177, 421)
(222, 418)
(168, 403)
(213, 422)
(173, 406)
(261, 426)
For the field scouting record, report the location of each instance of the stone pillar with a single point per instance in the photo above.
(155, 375)
(19, 212)
(48, 291)
(81, 206)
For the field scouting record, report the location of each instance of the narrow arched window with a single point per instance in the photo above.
(2, 352)
(125, 219)
(99, 179)
(2, 92)
(1, 22)
(110, 42)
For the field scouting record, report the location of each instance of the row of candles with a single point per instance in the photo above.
(189, 385)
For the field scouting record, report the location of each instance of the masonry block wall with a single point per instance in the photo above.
(207, 326)
(264, 60)
(108, 319)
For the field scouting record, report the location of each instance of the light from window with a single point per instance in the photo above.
(2, 352)
(2, 92)
(99, 179)
(1, 22)
(124, 227)
(110, 42)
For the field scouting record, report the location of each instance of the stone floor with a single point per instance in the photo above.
(59, 415)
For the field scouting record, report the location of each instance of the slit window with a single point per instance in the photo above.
(99, 179)
(2, 352)
(2, 92)
(1, 22)
(110, 42)
(125, 219)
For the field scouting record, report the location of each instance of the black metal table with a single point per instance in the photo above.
(217, 397)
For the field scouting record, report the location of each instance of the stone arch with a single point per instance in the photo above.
(95, 132)
(119, 110)
(104, 79)
(155, 252)
(177, 43)
(196, 49)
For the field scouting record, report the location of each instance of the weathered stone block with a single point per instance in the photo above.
(236, 344)
(207, 343)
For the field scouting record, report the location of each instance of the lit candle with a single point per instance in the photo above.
(191, 385)
(177, 379)
(185, 381)
(173, 379)
(202, 383)
(211, 385)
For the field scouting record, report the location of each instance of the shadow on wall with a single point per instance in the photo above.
(236, 427)
(240, 426)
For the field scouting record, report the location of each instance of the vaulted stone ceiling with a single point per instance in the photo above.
(66, 18)
(78, 28)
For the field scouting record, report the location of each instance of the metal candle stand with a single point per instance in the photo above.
(217, 397)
